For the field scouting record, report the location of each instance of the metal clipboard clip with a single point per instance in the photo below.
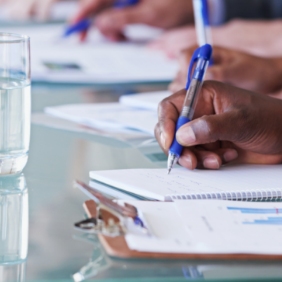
(108, 217)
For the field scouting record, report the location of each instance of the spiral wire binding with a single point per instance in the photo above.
(254, 196)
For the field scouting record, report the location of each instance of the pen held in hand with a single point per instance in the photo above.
(196, 72)
(84, 24)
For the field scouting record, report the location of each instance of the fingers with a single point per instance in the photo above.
(193, 157)
(168, 114)
(112, 22)
(88, 8)
(83, 36)
(21, 12)
(43, 9)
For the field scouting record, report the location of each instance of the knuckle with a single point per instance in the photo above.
(210, 87)
(163, 104)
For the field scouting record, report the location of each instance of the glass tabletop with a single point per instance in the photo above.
(39, 207)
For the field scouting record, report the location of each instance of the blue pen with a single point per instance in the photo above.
(82, 25)
(199, 63)
(202, 21)
(85, 24)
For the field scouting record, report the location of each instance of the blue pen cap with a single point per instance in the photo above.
(201, 58)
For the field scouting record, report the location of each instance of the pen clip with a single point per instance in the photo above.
(194, 59)
(203, 52)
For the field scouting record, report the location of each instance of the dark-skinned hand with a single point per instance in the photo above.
(230, 124)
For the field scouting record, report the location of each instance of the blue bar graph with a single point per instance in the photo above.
(268, 221)
(255, 211)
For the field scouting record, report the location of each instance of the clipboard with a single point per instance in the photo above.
(115, 243)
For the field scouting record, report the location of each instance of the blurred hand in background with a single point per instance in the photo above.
(262, 75)
(261, 38)
(26, 9)
(158, 13)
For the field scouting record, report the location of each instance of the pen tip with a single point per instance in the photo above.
(169, 170)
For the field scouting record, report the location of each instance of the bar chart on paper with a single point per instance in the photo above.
(258, 216)
(256, 211)
(216, 227)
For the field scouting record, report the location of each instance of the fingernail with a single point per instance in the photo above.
(211, 163)
(186, 136)
(230, 155)
(186, 161)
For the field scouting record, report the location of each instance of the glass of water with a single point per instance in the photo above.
(15, 102)
(13, 228)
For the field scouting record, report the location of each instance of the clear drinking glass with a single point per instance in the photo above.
(15, 104)
(13, 228)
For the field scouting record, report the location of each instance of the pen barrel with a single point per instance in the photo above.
(176, 148)
(191, 99)
(187, 113)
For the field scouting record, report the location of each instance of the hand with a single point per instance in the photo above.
(111, 22)
(25, 9)
(230, 124)
(262, 75)
(260, 38)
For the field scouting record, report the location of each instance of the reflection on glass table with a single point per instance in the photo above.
(101, 267)
(13, 228)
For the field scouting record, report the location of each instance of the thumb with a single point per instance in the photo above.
(208, 129)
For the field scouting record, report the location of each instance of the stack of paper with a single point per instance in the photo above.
(148, 101)
(134, 113)
(109, 116)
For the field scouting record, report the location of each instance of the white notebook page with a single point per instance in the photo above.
(156, 184)
(148, 101)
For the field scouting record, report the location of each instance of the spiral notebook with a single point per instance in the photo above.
(236, 182)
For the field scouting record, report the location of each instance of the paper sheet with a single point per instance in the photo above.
(98, 61)
(107, 116)
(148, 101)
(228, 182)
(207, 227)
